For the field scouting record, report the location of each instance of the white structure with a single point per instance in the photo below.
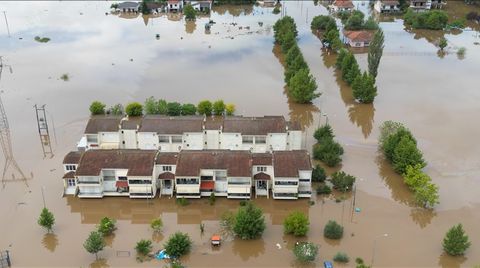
(172, 134)
(420, 5)
(174, 5)
(70, 164)
(128, 7)
(342, 5)
(387, 6)
(358, 38)
(292, 175)
(200, 5)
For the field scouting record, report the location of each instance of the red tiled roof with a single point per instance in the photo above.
(166, 159)
(69, 175)
(255, 125)
(390, 2)
(72, 157)
(261, 176)
(237, 163)
(102, 123)
(288, 163)
(343, 3)
(359, 36)
(121, 184)
(207, 185)
(166, 176)
(264, 159)
(172, 125)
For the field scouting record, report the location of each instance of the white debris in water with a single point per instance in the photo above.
(279, 246)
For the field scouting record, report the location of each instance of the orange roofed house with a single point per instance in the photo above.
(342, 5)
(358, 38)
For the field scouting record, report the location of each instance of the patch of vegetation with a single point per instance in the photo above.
(106, 226)
(161, 106)
(156, 225)
(355, 21)
(46, 220)
(305, 251)
(330, 32)
(189, 12)
(65, 77)
(276, 10)
(296, 223)
(364, 89)
(432, 19)
(182, 201)
(360, 263)
(326, 149)
(211, 199)
(134, 109)
(341, 257)
(456, 241)
(144, 247)
(41, 39)
(324, 189)
(204, 107)
(174, 109)
(97, 108)
(116, 109)
(342, 181)
(333, 230)
(318, 173)
(249, 222)
(178, 245)
(375, 52)
(94, 243)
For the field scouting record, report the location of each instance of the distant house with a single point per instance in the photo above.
(200, 5)
(438, 3)
(174, 5)
(155, 7)
(128, 7)
(420, 5)
(342, 5)
(387, 6)
(267, 3)
(70, 164)
(358, 38)
(292, 171)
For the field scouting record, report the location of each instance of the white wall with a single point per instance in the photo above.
(109, 137)
(295, 140)
(277, 141)
(193, 141)
(231, 141)
(212, 138)
(147, 140)
(129, 136)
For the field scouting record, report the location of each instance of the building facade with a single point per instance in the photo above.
(387, 6)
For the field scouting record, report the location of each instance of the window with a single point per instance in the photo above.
(92, 138)
(167, 168)
(139, 182)
(247, 139)
(70, 182)
(71, 167)
(260, 139)
(286, 183)
(187, 181)
(163, 139)
(122, 178)
(176, 139)
(261, 169)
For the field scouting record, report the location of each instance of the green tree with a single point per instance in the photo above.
(97, 108)
(288, 41)
(297, 64)
(322, 22)
(178, 245)
(116, 109)
(364, 89)
(353, 73)
(375, 52)
(318, 174)
(333, 230)
(174, 108)
(355, 21)
(392, 141)
(370, 24)
(230, 108)
(134, 109)
(144, 8)
(426, 195)
(414, 177)
(144, 247)
(151, 106)
(442, 43)
(204, 107)
(342, 181)
(360, 263)
(302, 87)
(406, 154)
(456, 241)
(292, 54)
(94, 243)
(189, 109)
(46, 219)
(190, 12)
(106, 226)
(218, 107)
(296, 223)
(323, 133)
(249, 222)
(305, 251)
(156, 225)
(329, 152)
(324, 189)
(341, 257)
(341, 55)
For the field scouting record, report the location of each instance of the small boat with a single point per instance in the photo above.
(216, 240)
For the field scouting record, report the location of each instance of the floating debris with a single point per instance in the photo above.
(157, 36)
(65, 77)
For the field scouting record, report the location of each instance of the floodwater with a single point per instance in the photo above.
(118, 59)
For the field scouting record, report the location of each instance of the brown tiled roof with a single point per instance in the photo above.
(237, 163)
(294, 125)
(166, 176)
(171, 125)
(138, 162)
(261, 176)
(343, 3)
(131, 122)
(288, 163)
(213, 123)
(69, 175)
(255, 125)
(166, 158)
(390, 2)
(102, 123)
(359, 36)
(262, 159)
(72, 157)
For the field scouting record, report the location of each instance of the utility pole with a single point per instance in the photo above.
(6, 22)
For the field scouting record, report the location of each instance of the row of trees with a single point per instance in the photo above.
(355, 20)
(432, 19)
(329, 29)
(162, 107)
(400, 148)
(326, 149)
(300, 83)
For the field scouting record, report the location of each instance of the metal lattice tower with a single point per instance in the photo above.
(6, 142)
(43, 130)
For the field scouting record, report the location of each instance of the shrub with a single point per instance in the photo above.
(341, 55)
(318, 174)
(46, 219)
(227, 221)
(323, 133)
(106, 226)
(190, 12)
(456, 241)
(305, 251)
(249, 222)
(459, 23)
(97, 108)
(94, 243)
(324, 189)
(329, 152)
(178, 245)
(461, 52)
(189, 109)
(294, 66)
(276, 10)
(230, 108)
(406, 154)
(151, 106)
(426, 195)
(174, 108)
(144, 247)
(116, 109)
(333, 230)
(443, 43)
(211, 199)
(204, 107)
(364, 89)
(322, 22)
(182, 201)
(433, 19)
(342, 181)
(134, 109)
(341, 257)
(296, 223)
(302, 87)
(360, 263)
(156, 224)
(218, 107)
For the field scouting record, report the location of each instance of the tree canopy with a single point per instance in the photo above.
(46, 219)
(249, 222)
(456, 241)
(296, 223)
(178, 244)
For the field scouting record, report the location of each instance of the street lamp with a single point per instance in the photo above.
(326, 117)
(375, 245)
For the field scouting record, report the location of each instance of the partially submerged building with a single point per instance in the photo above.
(387, 6)
(342, 6)
(359, 38)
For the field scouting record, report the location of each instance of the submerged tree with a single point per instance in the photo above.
(106, 226)
(204, 107)
(46, 219)
(375, 52)
(364, 89)
(94, 243)
(302, 87)
(178, 245)
(143, 247)
(97, 108)
(190, 12)
(296, 223)
(456, 241)
(249, 222)
(134, 109)
(305, 251)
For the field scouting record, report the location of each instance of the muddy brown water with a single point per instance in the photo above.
(118, 59)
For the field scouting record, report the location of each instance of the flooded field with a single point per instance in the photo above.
(118, 59)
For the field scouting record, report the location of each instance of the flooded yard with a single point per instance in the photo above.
(118, 59)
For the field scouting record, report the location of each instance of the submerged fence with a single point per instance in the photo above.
(5, 259)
